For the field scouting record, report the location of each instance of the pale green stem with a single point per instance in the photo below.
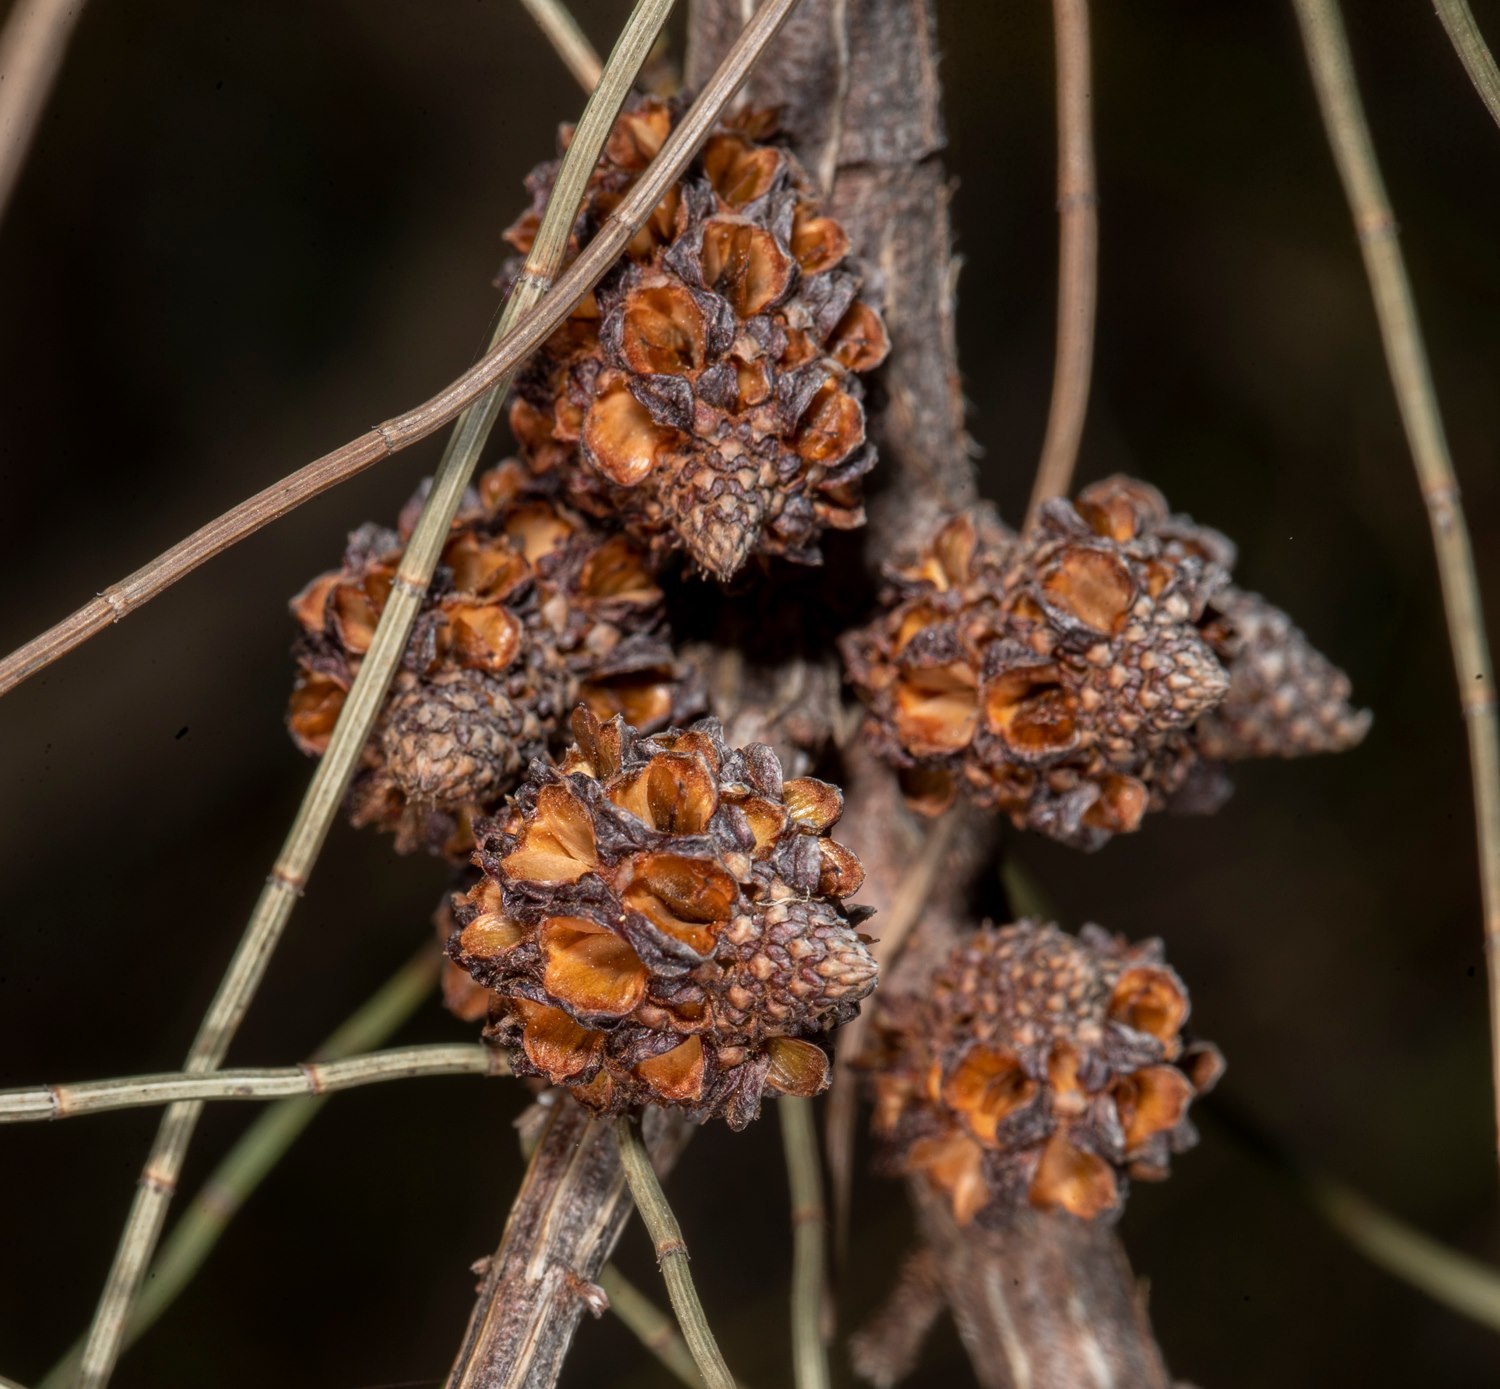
(262, 1146)
(1473, 52)
(671, 1254)
(330, 781)
(1406, 358)
(652, 1327)
(264, 1083)
(804, 1169)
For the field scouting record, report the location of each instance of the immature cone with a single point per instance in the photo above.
(1068, 678)
(707, 393)
(1040, 1069)
(661, 922)
(531, 609)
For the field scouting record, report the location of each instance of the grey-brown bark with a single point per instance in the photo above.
(1052, 1302)
(563, 1226)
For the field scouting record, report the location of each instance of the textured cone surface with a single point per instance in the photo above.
(661, 922)
(1285, 698)
(707, 393)
(532, 608)
(1040, 1069)
(1071, 678)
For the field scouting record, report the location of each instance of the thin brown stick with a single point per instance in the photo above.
(568, 40)
(32, 45)
(1406, 357)
(671, 1254)
(263, 1083)
(385, 440)
(293, 867)
(1078, 256)
(804, 1167)
(1473, 52)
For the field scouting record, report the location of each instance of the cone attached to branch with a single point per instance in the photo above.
(707, 394)
(533, 607)
(1078, 677)
(662, 922)
(1039, 1070)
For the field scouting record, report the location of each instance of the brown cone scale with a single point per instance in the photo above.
(1080, 676)
(532, 608)
(661, 922)
(707, 394)
(1040, 1070)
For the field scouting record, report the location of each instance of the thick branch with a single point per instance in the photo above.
(1049, 1301)
(563, 1226)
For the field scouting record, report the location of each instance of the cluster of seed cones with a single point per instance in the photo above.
(1039, 1069)
(532, 609)
(661, 921)
(1088, 672)
(706, 395)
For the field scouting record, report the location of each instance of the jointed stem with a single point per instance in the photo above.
(289, 874)
(1078, 255)
(652, 1327)
(510, 349)
(1472, 52)
(671, 1254)
(31, 52)
(572, 45)
(1406, 357)
(804, 1167)
(266, 1083)
(262, 1146)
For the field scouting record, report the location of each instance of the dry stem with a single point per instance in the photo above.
(1473, 53)
(384, 440)
(1078, 256)
(31, 52)
(289, 874)
(1406, 357)
(671, 1254)
(264, 1083)
(804, 1167)
(557, 23)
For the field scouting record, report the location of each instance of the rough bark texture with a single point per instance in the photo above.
(566, 1220)
(1051, 1304)
(1048, 1303)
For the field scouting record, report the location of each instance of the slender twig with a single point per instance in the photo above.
(265, 1083)
(384, 440)
(1473, 52)
(804, 1169)
(652, 1327)
(557, 23)
(671, 1254)
(258, 1151)
(1349, 135)
(1458, 1282)
(32, 45)
(1078, 255)
(289, 874)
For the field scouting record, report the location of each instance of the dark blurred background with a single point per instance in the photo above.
(248, 231)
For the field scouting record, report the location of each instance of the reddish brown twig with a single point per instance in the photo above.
(1078, 255)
